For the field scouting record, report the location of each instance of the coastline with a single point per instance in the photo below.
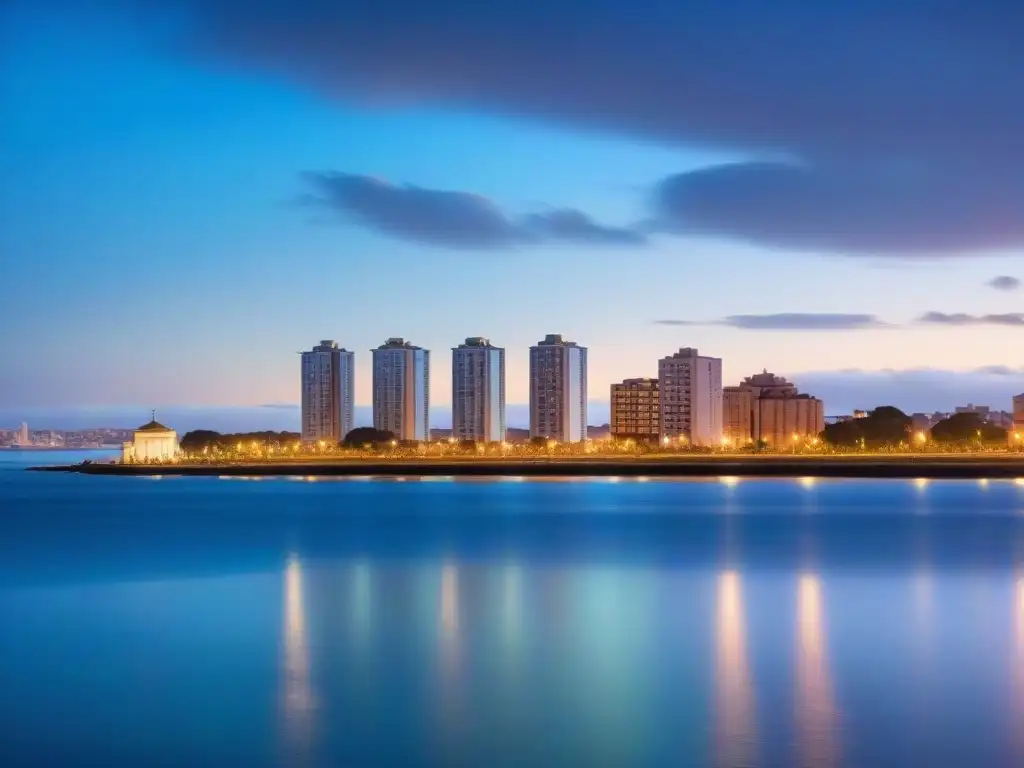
(955, 466)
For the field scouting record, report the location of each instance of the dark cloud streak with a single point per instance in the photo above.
(1004, 283)
(452, 219)
(1011, 319)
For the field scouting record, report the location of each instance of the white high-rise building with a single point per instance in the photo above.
(558, 390)
(328, 393)
(23, 437)
(478, 391)
(401, 390)
(690, 397)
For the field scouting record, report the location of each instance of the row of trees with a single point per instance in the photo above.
(889, 426)
(196, 440)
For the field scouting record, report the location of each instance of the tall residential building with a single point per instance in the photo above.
(690, 400)
(328, 393)
(401, 390)
(558, 390)
(635, 409)
(1017, 433)
(478, 391)
(768, 408)
(23, 436)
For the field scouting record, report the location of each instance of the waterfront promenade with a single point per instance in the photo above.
(904, 465)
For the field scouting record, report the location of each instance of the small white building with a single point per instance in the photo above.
(151, 442)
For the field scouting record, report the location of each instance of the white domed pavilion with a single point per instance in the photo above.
(151, 442)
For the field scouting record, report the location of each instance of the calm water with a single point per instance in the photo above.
(205, 622)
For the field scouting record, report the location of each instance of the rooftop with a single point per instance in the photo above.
(397, 342)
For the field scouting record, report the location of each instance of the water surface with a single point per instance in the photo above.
(278, 622)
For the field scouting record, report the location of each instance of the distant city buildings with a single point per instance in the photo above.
(1018, 416)
(478, 391)
(634, 409)
(328, 393)
(401, 389)
(558, 390)
(690, 398)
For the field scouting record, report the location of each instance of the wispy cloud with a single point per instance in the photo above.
(454, 219)
(1011, 319)
(790, 321)
(1004, 283)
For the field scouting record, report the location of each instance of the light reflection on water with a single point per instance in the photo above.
(736, 731)
(815, 708)
(294, 624)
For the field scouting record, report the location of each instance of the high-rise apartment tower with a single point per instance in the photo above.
(328, 396)
(478, 391)
(558, 390)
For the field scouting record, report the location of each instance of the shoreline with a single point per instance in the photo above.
(934, 467)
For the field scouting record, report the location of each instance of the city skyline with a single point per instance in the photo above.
(213, 182)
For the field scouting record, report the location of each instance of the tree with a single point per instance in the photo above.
(885, 425)
(198, 439)
(967, 427)
(361, 436)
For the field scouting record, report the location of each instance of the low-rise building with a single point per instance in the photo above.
(768, 408)
(634, 409)
(151, 442)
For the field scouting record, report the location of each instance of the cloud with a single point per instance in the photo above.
(1012, 319)
(837, 207)
(1004, 283)
(891, 130)
(453, 219)
(790, 321)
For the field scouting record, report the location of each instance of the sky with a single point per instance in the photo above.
(193, 191)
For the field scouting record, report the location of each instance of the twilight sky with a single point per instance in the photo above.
(192, 191)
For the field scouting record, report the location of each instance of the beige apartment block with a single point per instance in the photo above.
(635, 409)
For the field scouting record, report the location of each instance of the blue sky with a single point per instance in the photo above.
(160, 248)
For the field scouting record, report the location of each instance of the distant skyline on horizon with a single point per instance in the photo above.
(196, 190)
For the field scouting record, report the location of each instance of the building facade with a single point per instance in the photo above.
(478, 391)
(401, 390)
(737, 415)
(150, 442)
(768, 408)
(328, 393)
(634, 410)
(1017, 431)
(558, 390)
(690, 398)
(780, 421)
(23, 437)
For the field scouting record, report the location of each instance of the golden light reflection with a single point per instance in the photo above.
(1018, 666)
(817, 743)
(735, 730)
(298, 695)
(808, 482)
(921, 483)
(729, 481)
(449, 703)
